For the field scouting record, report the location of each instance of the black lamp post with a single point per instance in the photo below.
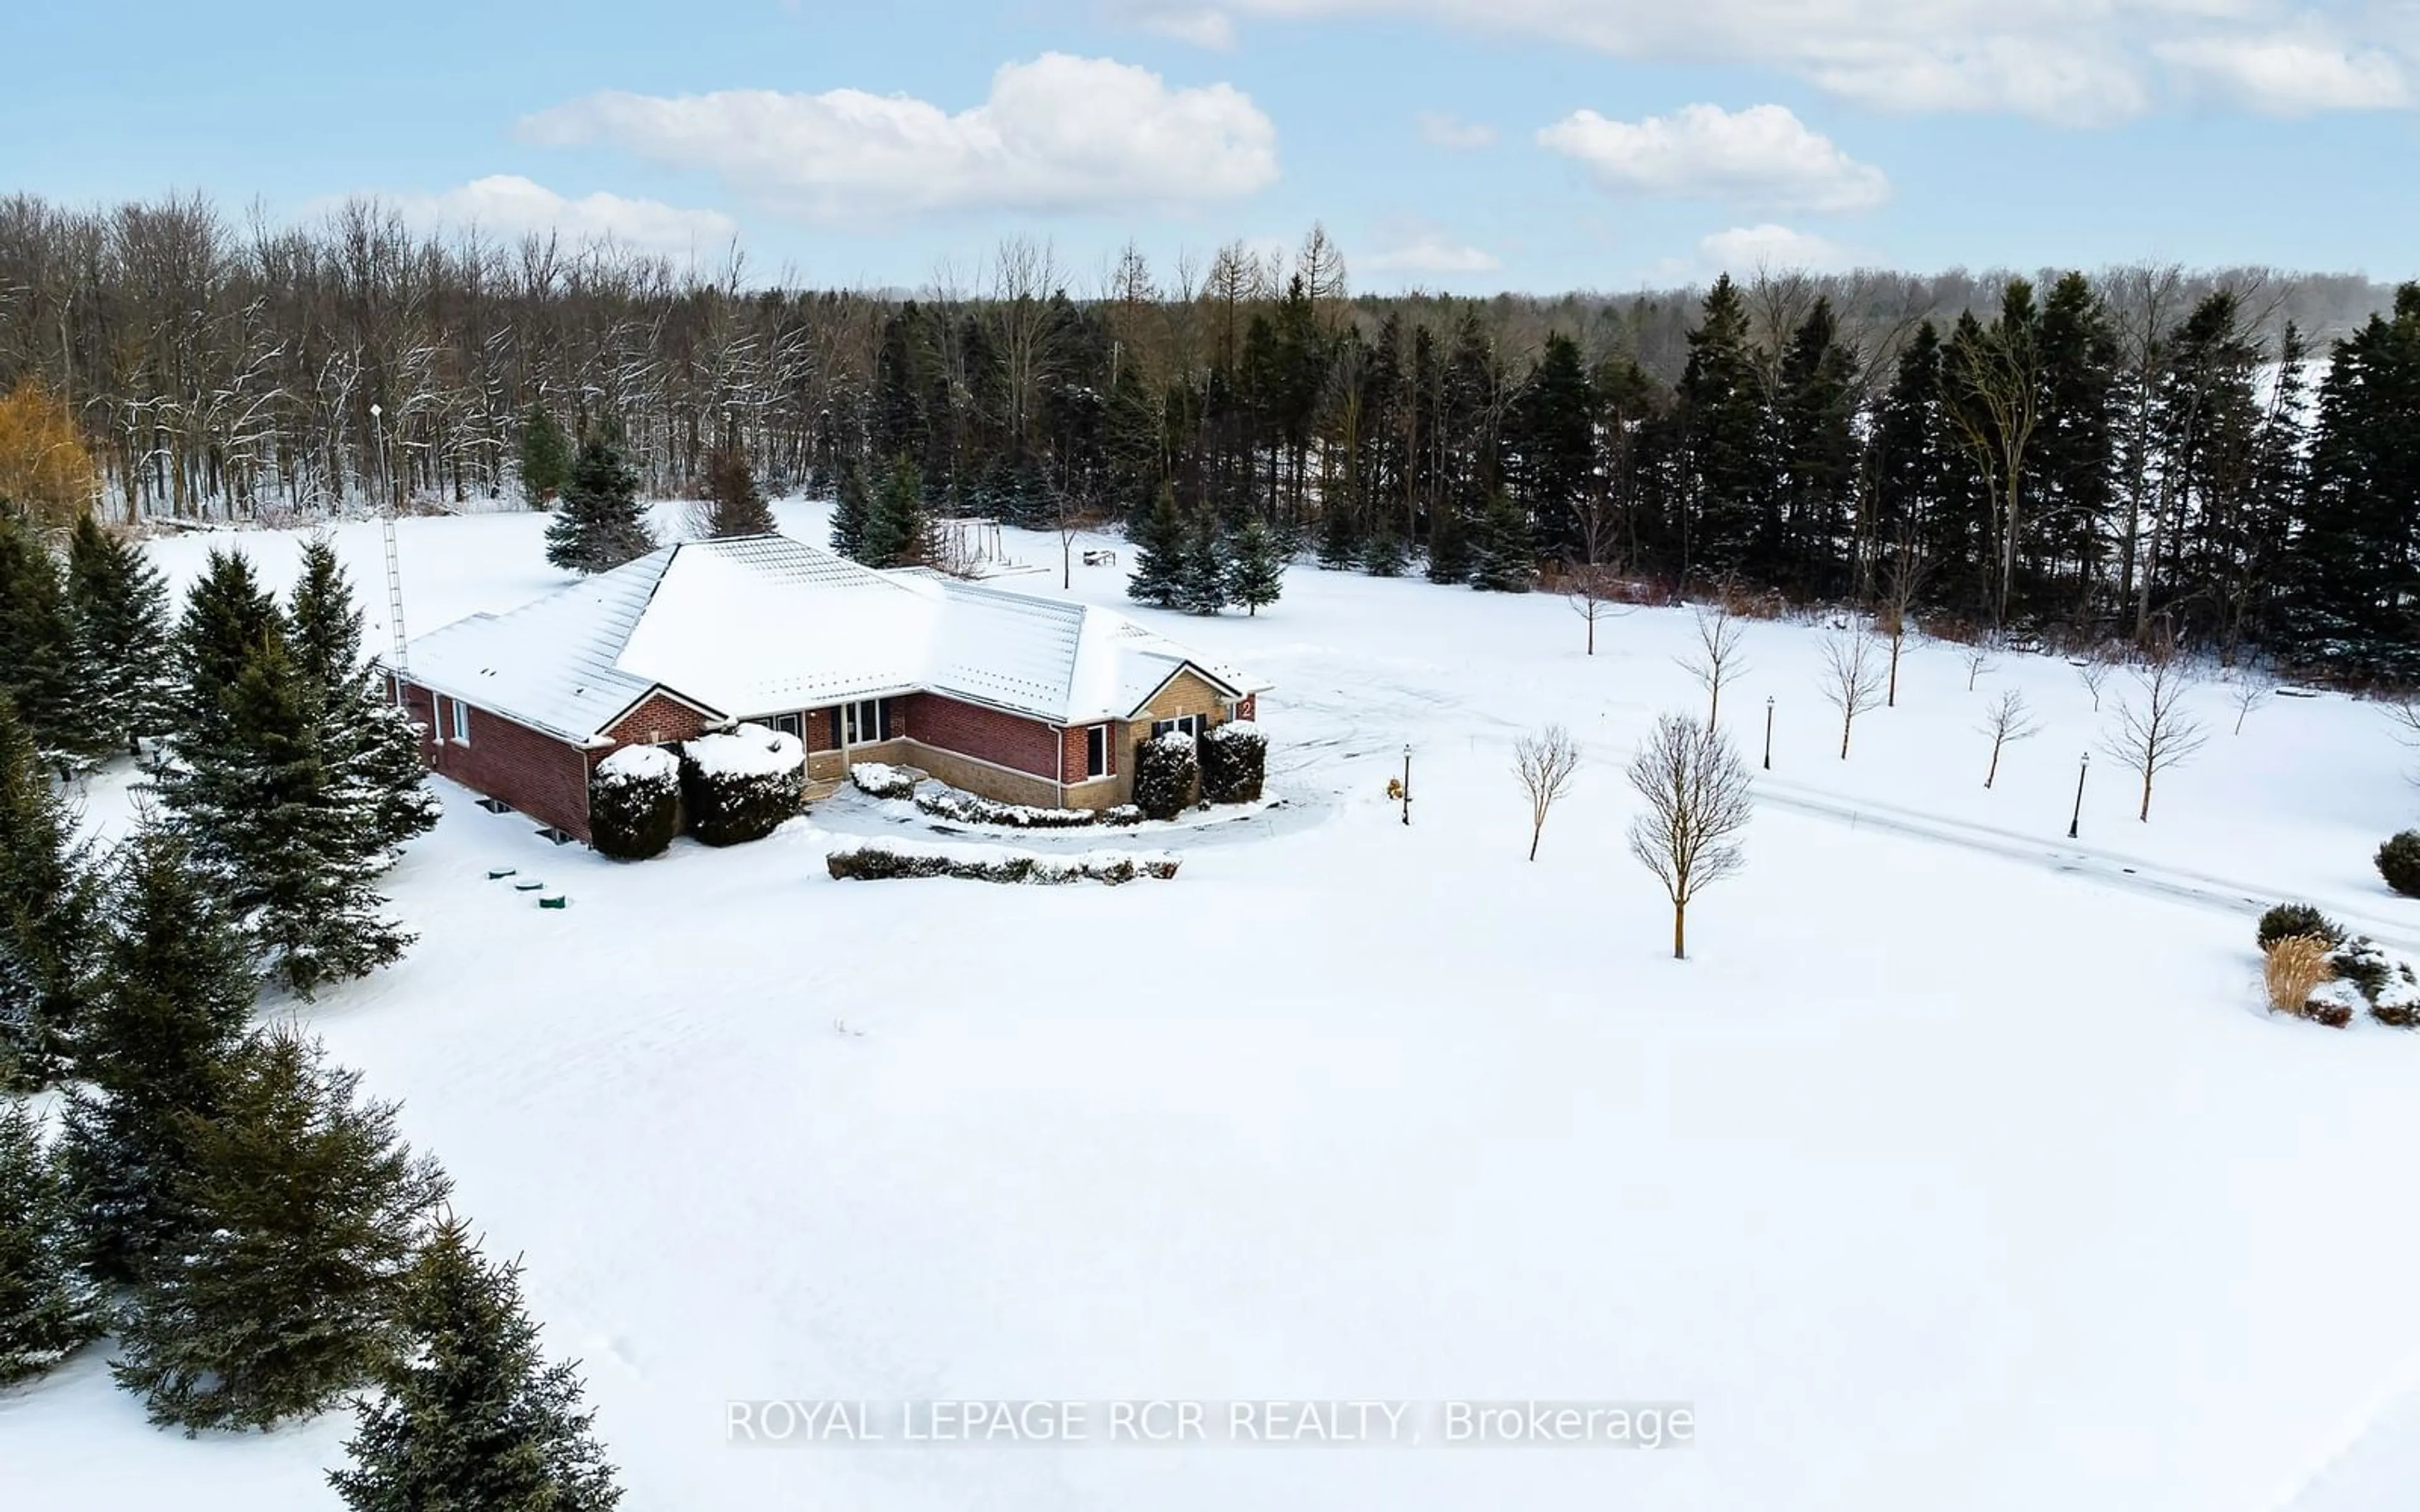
(2077, 818)
(1768, 731)
(1407, 782)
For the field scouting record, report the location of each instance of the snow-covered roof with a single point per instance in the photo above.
(765, 625)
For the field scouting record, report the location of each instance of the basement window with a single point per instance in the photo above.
(1097, 750)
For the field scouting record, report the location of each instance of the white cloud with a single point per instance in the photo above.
(1443, 128)
(2080, 62)
(1761, 155)
(2290, 73)
(1745, 249)
(509, 205)
(1058, 133)
(1214, 30)
(1427, 253)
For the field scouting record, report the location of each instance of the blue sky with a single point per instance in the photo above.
(1464, 144)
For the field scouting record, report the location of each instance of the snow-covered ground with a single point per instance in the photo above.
(1958, 1169)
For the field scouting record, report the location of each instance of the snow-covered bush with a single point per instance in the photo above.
(972, 808)
(739, 786)
(2360, 962)
(880, 860)
(880, 779)
(2398, 862)
(2396, 1004)
(1234, 759)
(1168, 775)
(2333, 1005)
(634, 802)
(2288, 920)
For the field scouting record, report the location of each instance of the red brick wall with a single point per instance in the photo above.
(542, 777)
(985, 735)
(657, 720)
(1071, 755)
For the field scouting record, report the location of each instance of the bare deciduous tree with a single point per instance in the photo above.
(2092, 671)
(1852, 683)
(1594, 592)
(1546, 762)
(2154, 732)
(2251, 690)
(1696, 790)
(1716, 660)
(2007, 719)
(1902, 579)
(1981, 658)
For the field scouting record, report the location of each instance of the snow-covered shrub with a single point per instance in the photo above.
(2333, 1005)
(2398, 862)
(881, 780)
(2288, 920)
(1234, 759)
(634, 802)
(2396, 1004)
(2360, 962)
(880, 860)
(740, 786)
(1168, 775)
(972, 808)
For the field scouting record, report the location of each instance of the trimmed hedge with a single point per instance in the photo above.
(1168, 775)
(634, 802)
(966, 808)
(740, 786)
(887, 860)
(2398, 862)
(1235, 760)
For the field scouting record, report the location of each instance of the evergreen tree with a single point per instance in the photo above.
(1159, 542)
(599, 525)
(850, 515)
(305, 1210)
(471, 1416)
(2073, 460)
(1256, 575)
(1814, 468)
(736, 505)
(48, 1309)
(1384, 556)
(118, 604)
(545, 457)
(1203, 571)
(898, 533)
(1506, 560)
(227, 617)
(1554, 444)
(367, 741)
(47, 913)
(323, 626)
(38, 650)
(174, 988)
(1721, 415)
(1449, 544)
(1339, 538)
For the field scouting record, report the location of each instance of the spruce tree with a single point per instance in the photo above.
(117, 603)
(1554, 424)
(1449, 544)
(38, 650)
(1256, 576)
(898, 533)
(736, 505)
(1506, 559)
(372, 744)
(173, 990)
(305, 1209)
(1384, 555)
(1157, 539)
(48, 1309)
(471, 1414)
(850, 514)
(49, 912)
(1722, 419)
(545, 457)
(1202, 573)
(227, 617)
(599, 525)
(1340, 539)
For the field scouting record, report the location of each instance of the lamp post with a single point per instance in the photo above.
(2082, 767)
(1768, 731)
(1407, 782)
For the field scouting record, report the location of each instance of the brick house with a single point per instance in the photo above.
(1019, 698)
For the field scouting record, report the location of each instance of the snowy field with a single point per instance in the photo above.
(1961, 1168)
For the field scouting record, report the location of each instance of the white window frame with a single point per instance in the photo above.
(854, 722)
(791, 724)
(1096, 751)
(1192, 724)
(461, 723)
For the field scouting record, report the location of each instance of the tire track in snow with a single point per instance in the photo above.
(2108, 868)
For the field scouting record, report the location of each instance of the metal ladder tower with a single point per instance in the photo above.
(396, 663)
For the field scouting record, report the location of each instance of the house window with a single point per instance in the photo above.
(461, 723)
(1097, 750)
(1190, 723)
(790, 724)
(867, 719)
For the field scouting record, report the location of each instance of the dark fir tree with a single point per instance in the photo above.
(1721, 416)
(364, 736)
(1813, 472)
(1202, 571)
(735, 504)
(1256, 574)
(1449, 544)
(850, 513)
(599, 525)
(118, 604)
(323, 625)
(1159, 541)
(227, 618)
(174, 988)
(898, 533)
(49, 913)
(2074, 455)
(545, 457)
(1555, 445)
(1506, 558)
(469, 1415)
(38, 648)
(1384, 556)
(48, 1308)
(305, 1209)
(1340, 537)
